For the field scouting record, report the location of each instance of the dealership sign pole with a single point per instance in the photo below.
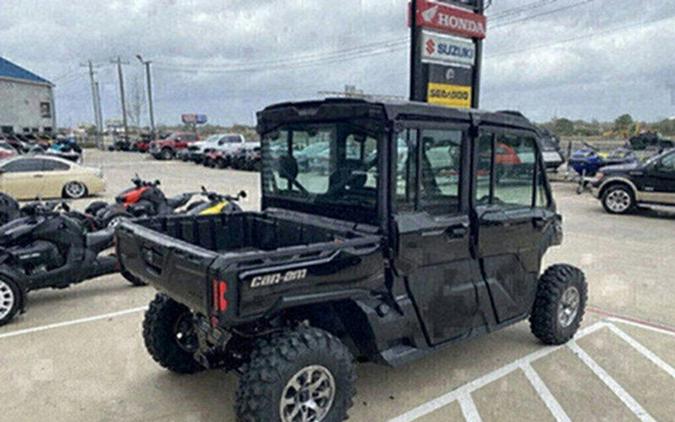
(446, 51)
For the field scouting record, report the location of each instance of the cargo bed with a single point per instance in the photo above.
(270, 260)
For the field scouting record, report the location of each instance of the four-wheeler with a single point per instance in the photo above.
(48, 249)
(144, 198)
(357, 260)
(66, 148)
(167, 148)
(215, 203)
(622, 188)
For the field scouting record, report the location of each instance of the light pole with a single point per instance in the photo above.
(149, 84)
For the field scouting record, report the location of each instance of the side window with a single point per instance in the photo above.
(515, 161)
(50, 165)
(23, 166)
(506, 169)
(440, 169)
(406, 169)
(668, 163)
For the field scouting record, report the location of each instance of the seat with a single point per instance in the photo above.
(100, 240)
(178, 200)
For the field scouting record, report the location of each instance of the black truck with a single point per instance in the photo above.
(624, 187)
(421, 226)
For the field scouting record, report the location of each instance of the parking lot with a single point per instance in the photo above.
(78, 353)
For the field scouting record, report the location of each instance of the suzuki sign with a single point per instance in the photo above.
(446, 49)
(452, 20)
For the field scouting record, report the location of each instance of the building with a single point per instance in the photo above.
(26, 101)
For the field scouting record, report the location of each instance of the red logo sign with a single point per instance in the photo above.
(450, 19)
(431, 46)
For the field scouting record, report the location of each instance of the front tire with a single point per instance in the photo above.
(11, 298)
(618, 199)
(299, 374)
(559, 305)
(169, 335)
(74, 190)
(167, 154)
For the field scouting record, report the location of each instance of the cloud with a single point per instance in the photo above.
(191, 41)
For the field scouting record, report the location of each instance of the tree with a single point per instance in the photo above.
(563, 127)
(623, 123)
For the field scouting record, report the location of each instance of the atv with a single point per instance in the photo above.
(215, 203)
(401, 242)
(48, 249)
(144, 198)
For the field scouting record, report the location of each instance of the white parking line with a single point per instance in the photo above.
(622, 394)
(545, 394)
(644, 326)
(445, 399)
(643, 350)
(469, 408)
(72, 322)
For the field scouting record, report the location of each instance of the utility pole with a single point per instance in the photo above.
(414, 32)
(99, 114)
(96, 102)
(120, 76)
(149, 84)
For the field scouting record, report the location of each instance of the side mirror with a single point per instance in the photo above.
(242, 194)
(157, 182)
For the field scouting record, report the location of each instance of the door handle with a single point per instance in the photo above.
(457, 231)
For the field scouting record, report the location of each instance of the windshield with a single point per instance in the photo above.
(212, 139)
(331, 164)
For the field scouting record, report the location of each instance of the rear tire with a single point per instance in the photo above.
(305, 357)
(618, 199)
(559, 305)
(11, 298)
(74, 190)
(167, 343)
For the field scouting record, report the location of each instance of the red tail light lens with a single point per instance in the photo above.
(220, 302)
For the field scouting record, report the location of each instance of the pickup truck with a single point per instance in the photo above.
(405, 242)
(220, 155)
(167, 148)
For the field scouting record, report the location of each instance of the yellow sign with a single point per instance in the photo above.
(449, 95)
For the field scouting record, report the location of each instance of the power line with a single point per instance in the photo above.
(548, 12)
(592, 34)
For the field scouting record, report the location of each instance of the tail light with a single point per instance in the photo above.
(220, 302)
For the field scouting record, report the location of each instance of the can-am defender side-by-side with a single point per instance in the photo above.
(411, 233)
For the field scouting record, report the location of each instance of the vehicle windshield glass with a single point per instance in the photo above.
(328, 164)
(212, 139)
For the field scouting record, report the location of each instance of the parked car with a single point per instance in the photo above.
(41, 176)
(551, 150)
(18, 145)
(650, 141)
(343, 266)
(166, 149)
(248, 157)
(621, 188)
(6, 150)
(195, 152)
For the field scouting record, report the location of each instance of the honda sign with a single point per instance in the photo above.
(448, 19)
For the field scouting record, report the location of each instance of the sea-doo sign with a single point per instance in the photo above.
(452, 20)
(446, 49)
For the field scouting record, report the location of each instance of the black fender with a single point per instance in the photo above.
(8, 272)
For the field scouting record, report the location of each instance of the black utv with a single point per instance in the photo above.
(415, 227)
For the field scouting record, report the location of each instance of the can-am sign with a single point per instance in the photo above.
(444, 49)
(450, 19)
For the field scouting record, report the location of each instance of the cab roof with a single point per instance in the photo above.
(336, 108)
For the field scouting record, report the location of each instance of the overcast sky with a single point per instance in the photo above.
(229, 58)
